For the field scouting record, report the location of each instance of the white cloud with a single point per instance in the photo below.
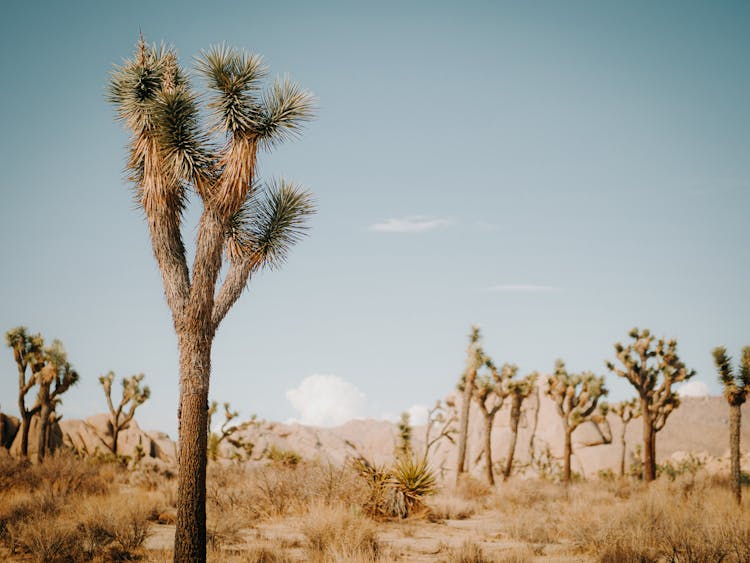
(523, 287)
(694, 389)
(417, 415)
(410, 224)
(327, 400)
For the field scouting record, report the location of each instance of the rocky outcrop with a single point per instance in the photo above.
(89, 437)
(9, 427)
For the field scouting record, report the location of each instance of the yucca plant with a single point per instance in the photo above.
(396, 491)
(736, 389)
(174, 154)
(415, 480)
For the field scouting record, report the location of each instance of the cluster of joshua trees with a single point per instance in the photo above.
(47, 368)
(652, 366)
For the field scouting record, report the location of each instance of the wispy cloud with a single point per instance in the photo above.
(522, 287)
(411, 224)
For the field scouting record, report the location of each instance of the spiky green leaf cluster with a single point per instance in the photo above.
(736, 385)
(270, 222)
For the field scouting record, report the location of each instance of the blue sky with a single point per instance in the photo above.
(555, 171)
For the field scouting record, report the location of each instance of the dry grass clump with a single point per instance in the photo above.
(451, 506)
(471, 488)
(666, 521)
(58, 511)
(467, 552)
(280, 489)
(338, 534)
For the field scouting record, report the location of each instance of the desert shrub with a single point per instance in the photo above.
(689, 466)
(445, 506)
(467, 552)
(516, 555)
(471, 488)
(223, 531)
(48, 539)
(12, 471)
(63, 474)
(339, 534)
(660, 522)
(261, 554)
(282, 456)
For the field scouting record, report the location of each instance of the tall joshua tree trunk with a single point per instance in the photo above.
(567, 453)
(649, 442)
(736, 389)
(488, 448)
(474, 359)
(195, 365)
(623, 448)
(735, 415)
(463, 429)
(515, 415)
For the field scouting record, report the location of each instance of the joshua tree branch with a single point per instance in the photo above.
(231, 289)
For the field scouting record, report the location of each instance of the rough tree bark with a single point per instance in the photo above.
(649, 461)
(488, 449)
(735, 416)
(515, 415)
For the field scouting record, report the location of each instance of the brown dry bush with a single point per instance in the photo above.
(467, 552)
(665, 521)
(451, 506)
(339, 534)
(57, 511)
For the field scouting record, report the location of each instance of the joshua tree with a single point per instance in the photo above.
(228, 432)
(27, 351)
(132, 394)
(576, 396)
(736, 388)
(58, 371)
(474, 360)
(403, 448)
(438, 416)
(173, 155)
(627, 411)
(643, 365)
(490, 392)
(519, 391)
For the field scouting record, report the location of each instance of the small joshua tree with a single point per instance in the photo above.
(519, 391)
(474, 360)
(438, 416)
(627, 411)
(133, 395)
(57, 371)
(652, 367)
(576, 397)
(490, 392)
(27, 351)
(736, 389)
(228, 432)
(403, 448)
